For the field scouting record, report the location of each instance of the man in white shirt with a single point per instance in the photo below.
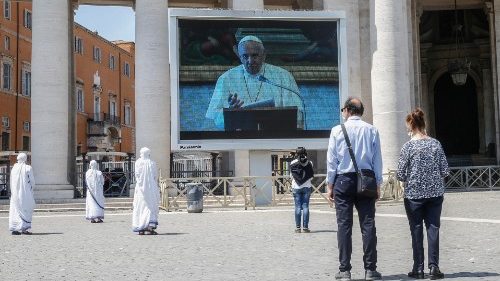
(342, 186)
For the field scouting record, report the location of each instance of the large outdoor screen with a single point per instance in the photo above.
(255, 79)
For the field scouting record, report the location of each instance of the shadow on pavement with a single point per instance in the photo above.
(446, 276)
(469, 274)
(172, 233)
(325, 230)
(46, 233)
(395, 277)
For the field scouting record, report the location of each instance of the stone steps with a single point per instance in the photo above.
(65, 205)
(125, 203)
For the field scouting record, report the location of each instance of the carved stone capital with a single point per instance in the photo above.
(419, 10)
(488, 8)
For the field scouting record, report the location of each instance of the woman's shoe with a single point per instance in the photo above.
(16, 233)
(306, 230)
(153, 232)
(141, 232)
(435, 273)
(297, 230)
(99, 221)
(92, 221)
(25, 232)
(417, 274)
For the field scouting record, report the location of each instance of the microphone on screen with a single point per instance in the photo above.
(265, 80)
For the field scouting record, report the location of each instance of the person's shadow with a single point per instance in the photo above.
(471, 275)
(323, 230)
(46, 233)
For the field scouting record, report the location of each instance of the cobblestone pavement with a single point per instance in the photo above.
(245, 245)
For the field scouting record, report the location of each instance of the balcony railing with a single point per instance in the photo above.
(106, 118)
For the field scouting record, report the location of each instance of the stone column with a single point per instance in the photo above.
(242, 157)
(352, 10)
(488, 111)
(390, 75)
(52, 128)
(365, 59)
(415, 58)
(493, 9)
(152, 81)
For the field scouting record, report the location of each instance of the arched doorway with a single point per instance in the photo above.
(456, 116)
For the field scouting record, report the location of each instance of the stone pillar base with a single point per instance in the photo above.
(53, 192)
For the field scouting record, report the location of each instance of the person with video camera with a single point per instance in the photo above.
(301, 170)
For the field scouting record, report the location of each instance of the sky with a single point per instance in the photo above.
(111, 22)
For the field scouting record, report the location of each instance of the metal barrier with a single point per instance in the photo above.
(4, 182)
(474, 177)
(241, 192)
(224, 192)
(118, 176)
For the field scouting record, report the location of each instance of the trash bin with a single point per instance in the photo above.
(194, 194)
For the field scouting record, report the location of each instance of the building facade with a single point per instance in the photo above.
(400, 56)
(103, 88)
(15, 89)
(104, 93)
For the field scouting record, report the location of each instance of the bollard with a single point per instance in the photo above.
(194, 195)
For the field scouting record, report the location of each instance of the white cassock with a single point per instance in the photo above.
(146, 194)
(95, 198)
(250, 89)
(22, 201)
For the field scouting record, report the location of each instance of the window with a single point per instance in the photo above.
(6, 9)
(126, 69)
(26, 143)
(112, 108)
(78, 45)
(6, 43)
(27, 126)
(5, 141)
(26, 90)
(112, 62)
(6, 69)
(128, 116)
(79, 99)
(5, 122)
(27, 19)
(97, 54)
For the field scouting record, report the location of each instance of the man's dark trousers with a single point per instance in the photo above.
(345, 199)
(427, 210)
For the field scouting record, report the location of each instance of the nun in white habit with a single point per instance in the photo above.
(95, 198)
(22, 202)
(146, 195)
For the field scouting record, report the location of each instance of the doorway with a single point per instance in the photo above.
(456, 116)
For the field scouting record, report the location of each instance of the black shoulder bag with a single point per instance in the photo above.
(367, 184)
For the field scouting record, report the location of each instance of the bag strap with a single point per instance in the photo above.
(346, 137)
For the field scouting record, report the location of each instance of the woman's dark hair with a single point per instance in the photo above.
(416, 119)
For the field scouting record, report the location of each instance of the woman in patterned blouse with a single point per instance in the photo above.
(422, 167)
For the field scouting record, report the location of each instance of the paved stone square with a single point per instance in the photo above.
(245, 245)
